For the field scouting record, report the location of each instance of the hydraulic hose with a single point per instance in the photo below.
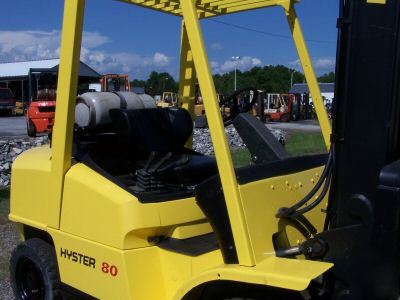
(326, 176)
(289, 211)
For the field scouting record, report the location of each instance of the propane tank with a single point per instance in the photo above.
(93, 108)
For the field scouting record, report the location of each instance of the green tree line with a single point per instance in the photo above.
(272, 79)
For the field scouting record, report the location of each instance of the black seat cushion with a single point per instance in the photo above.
(161, 130)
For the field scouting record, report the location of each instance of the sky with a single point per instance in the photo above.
(123, 38)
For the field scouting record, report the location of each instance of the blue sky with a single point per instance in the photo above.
(122, 38)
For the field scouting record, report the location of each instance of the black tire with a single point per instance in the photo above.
(34, 271)
(30, 127)
(285, 118)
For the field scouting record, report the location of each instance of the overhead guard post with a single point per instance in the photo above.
(187, 77)
(309, 73)
(217, 131)
(61, 153)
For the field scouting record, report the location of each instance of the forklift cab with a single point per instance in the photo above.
(129, 192)
(132, 212)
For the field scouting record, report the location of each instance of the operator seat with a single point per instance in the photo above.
(154, 140)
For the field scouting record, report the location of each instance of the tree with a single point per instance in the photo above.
(157, 83)
(271, 79)
(138, 83)
(327, 78)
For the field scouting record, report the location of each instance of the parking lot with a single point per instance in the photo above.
(16, 126)
(12, 126)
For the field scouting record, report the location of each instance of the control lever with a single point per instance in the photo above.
(183, 160)
(150, 160)
(161, 162)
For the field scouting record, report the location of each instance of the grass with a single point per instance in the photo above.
(297, 144)
(305, 143)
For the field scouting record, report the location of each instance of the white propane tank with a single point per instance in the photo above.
(93, 108)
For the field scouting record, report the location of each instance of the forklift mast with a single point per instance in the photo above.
(367, 113)
(363, 212)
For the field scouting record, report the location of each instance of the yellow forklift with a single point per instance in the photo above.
(168, 99)
(124, 209)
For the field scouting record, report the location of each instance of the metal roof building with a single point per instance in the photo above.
(16, 75)
(8, 71)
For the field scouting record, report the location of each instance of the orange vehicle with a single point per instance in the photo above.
(115, 83)
(41, 112)
(281, 107)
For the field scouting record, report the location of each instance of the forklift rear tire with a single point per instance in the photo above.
(31, 128)
(34, 271)
(285, 118)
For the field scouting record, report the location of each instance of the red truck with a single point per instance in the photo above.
(7, 100)
(41, 112)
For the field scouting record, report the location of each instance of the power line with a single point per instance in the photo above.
(269, 33)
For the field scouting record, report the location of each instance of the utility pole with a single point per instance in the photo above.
(235, 59)
(291, 78)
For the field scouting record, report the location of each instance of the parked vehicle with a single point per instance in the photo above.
(126, 209)
(275, 108)
(19, 108)
(282, 107)
(41, 112)
(7, 100)
(168, 99)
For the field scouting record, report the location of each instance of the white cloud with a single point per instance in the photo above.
(243, 64)
(161, 60)
(216, 46)
(36, 45)
(320, 63)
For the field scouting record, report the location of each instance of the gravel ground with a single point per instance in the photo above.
(202, 140)
(8, 239)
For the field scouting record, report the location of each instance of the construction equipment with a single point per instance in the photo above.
(112, 83)
(19, 108)
(277, 107)
(124, 210)
(168, 99)
(200, 119)
(41, 112)
(7, 100)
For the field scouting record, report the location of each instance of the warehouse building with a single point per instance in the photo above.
(327, 90)
(25, 78)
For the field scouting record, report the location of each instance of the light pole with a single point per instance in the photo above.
(235, 59)
(164, 80)
(291, 78)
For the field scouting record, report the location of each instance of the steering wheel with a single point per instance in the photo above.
(237, 104)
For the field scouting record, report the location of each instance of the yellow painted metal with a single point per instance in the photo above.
(30, 193)
(263, 198)
(309, 73)
(273, 271)
(66, 94)
(217, 131)
(187, 77)
(138, 275)
(190, 230)
(377, 1)
(142, 273)
(111, 216)
(179, 269)
(206, 8)
(101, 220)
